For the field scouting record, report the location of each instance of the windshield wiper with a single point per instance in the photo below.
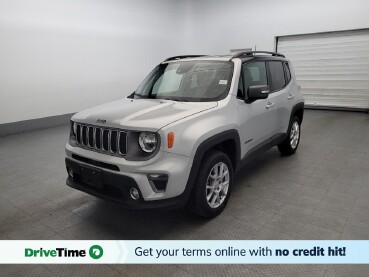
(171, 99)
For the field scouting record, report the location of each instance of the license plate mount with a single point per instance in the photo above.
(92, 177)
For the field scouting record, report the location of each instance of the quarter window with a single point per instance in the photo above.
(277, 75)
(288, 72)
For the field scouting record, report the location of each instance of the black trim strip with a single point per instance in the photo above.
(262, 147)
(95, 163)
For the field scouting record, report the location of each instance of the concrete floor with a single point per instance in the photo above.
(322, 192)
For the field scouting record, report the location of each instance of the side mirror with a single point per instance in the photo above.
(258, 92)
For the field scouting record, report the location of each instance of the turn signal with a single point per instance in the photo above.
(170, 139)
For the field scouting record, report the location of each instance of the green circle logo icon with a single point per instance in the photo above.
(96, 252)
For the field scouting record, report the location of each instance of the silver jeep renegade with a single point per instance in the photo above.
(180, 137)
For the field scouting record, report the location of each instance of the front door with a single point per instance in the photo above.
(257, 119)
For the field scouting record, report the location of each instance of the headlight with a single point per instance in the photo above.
(75, 129)
(148, 141)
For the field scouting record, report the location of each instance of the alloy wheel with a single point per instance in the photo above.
(295, 134)
(217, 185)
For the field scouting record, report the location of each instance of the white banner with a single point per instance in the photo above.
(184, 252)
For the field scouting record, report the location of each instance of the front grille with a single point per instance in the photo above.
(110, 141)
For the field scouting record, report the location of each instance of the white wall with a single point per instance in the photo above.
(223, 25)
(62, 56)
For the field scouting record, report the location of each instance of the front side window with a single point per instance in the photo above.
(254, 74)
(277, 75)
(194, 81)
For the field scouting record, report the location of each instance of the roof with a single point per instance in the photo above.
(240, 55)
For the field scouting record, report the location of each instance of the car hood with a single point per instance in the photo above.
(140, 114)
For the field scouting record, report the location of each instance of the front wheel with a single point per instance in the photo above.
(213, 185)
(291, 142)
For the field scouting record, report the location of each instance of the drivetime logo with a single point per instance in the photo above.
(95, 252)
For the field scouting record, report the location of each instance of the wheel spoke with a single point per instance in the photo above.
(226, 172)
(208, 197)
(225, 184)
(218, 198)
(221, 169)
(215, 196)
(216, 172)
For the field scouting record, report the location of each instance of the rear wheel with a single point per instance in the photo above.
(213, 185)
(291, 142)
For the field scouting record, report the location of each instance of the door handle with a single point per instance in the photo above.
(290, 97)
(269, 105)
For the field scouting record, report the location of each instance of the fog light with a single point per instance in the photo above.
(158, 182)
(134, 194)
(70, 172)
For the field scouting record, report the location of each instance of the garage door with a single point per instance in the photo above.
(332, 68)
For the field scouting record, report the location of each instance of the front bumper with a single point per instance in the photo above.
(117, 181)
(116, 188)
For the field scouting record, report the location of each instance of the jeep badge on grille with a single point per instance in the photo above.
(101, 121)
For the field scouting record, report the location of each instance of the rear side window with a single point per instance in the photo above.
(287, 72)
(277, 75)
(254, 74)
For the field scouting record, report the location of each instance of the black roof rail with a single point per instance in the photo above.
(251, 53)
(183, 57)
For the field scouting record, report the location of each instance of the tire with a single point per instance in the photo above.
(209, 183)
(291, 142)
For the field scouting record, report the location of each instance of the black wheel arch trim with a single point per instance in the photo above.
(297, 107)
(210, 142)
(204, 146)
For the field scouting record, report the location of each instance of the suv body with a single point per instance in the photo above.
(191, 124)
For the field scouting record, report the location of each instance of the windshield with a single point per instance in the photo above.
(194, 81)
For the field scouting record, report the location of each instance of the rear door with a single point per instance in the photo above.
(281, 92)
